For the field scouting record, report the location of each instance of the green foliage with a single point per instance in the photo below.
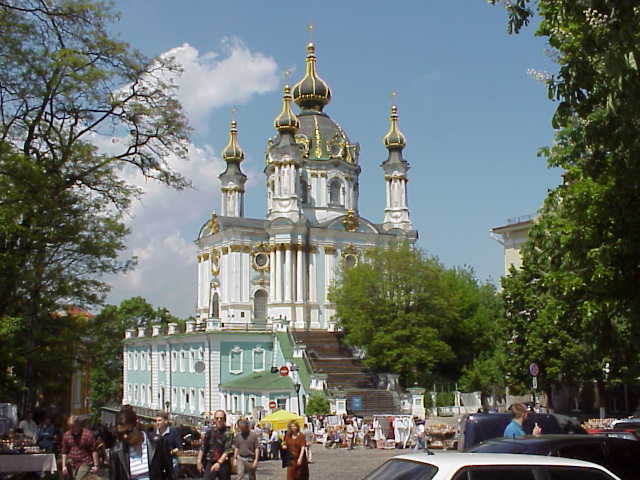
(317, 405)
(107, 333)
(414, 317)
(575, 307)
(445, 399)
(66, 85)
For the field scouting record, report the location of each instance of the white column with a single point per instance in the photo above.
(272, 276)
(329, 259)
(313, 269)
(300, 270)
(278, 275)
(288, 271)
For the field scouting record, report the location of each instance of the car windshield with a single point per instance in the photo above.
(403, 470)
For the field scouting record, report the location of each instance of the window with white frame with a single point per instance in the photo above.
(258, 359)
(201, 406)
(143, 394)
(192, 361)
(149, 361)
(135, 393)
(174, 398)
(201, 354)
(129, 392)
(235, 360)
(183, 398)
(194, 400)
(130, 360)
(174, 361)
(183, 355)
(163, 359)
(235, 404)
(143, 364)
(135, 360)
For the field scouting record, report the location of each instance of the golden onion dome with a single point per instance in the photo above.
(286, 120)
(232, 152)
(311, 92)
(394, 139)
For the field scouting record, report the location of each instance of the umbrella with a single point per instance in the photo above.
(281, 418)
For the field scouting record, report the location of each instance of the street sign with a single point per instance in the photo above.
(272, 404)
(356, 403)
(284, 371)
(534, 370)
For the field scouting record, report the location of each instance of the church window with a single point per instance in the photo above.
(163, 360)
(174, 361)
(260, 305)
(261, 260)
(215, 306)
(336, 193)
(304, 192)
(235, 360)
(258, 359)
(350, 260)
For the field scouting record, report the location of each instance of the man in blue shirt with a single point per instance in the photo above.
(514, 429)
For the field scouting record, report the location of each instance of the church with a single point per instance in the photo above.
(263, 283)
(251, 271)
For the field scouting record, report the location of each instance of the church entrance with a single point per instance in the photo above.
(260, 306)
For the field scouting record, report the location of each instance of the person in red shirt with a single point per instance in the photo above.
(79, 454)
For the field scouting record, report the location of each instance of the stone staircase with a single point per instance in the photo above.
(328, 354)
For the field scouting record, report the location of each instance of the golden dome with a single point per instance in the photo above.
(232, 152)
(286, 120)
(311, 92)
(394, 139)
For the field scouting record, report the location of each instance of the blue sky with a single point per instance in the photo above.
(473, 117)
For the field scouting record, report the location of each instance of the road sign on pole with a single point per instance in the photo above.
(272, 404)
(284, 370)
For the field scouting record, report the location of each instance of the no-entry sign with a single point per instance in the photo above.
(284, 370)
(272, 404)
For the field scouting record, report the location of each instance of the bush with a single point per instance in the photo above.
(318, 405)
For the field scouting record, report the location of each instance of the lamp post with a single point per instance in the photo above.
(297, 387)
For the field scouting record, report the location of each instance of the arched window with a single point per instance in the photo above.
(260, 305)
(304, 192)
(215, 305)
(335, 193)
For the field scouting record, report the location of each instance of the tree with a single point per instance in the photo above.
(317, 405)
(67, 85)
(578, 291)
(412, 316)
(105, 343)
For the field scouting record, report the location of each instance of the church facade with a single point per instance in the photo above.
(253, 271)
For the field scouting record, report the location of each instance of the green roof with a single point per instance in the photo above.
(259, 382)
(287, 352)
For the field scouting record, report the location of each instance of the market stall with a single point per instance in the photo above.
(28, 462)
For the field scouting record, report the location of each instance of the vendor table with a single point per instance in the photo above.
(37, 462)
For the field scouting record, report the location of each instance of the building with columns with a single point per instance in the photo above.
(251, 271)
(260, 279)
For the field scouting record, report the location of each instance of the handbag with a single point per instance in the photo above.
(285, 456)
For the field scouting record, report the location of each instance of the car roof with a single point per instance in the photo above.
(550, 439)
(449, 463)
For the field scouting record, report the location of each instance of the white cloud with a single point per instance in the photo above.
(162, 222)
(211, 80)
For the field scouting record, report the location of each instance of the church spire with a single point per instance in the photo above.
(232, 180)
(396, 213)
(311, 93)
(286, 121)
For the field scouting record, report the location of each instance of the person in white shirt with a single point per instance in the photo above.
(28, 426)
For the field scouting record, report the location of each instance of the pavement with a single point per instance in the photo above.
(333, 464)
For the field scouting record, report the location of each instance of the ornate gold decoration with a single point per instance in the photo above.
(225, 250)
(314, 174)
(394, 139)
(313, 249)
(214, 226)
(329, 249)
(286, 121)
(303, 141)
(215, 262)
(234, 188)
(323, 174)
(349, 250)
(351, 222)
(336, 146)
(199, 257)
(318, 140)
(205, 256)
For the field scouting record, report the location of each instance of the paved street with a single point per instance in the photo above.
(333, 464)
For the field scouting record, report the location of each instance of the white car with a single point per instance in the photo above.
(487, 466)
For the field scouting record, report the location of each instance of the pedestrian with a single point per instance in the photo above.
(138, 455)
(217, 449)
(351, 433)
(29, 427)
(79, 455)
(296, 447)
(310, 438)
(47, 435)
(246, 451)
(514, 429)
(170, 436)
(421, 443)
(274, 445)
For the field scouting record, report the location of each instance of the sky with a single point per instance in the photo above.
(473, 116)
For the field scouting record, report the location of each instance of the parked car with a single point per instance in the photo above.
(484, 466)
(618, 455)
(477, 427)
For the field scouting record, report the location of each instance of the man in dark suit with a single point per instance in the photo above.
(138, 455)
